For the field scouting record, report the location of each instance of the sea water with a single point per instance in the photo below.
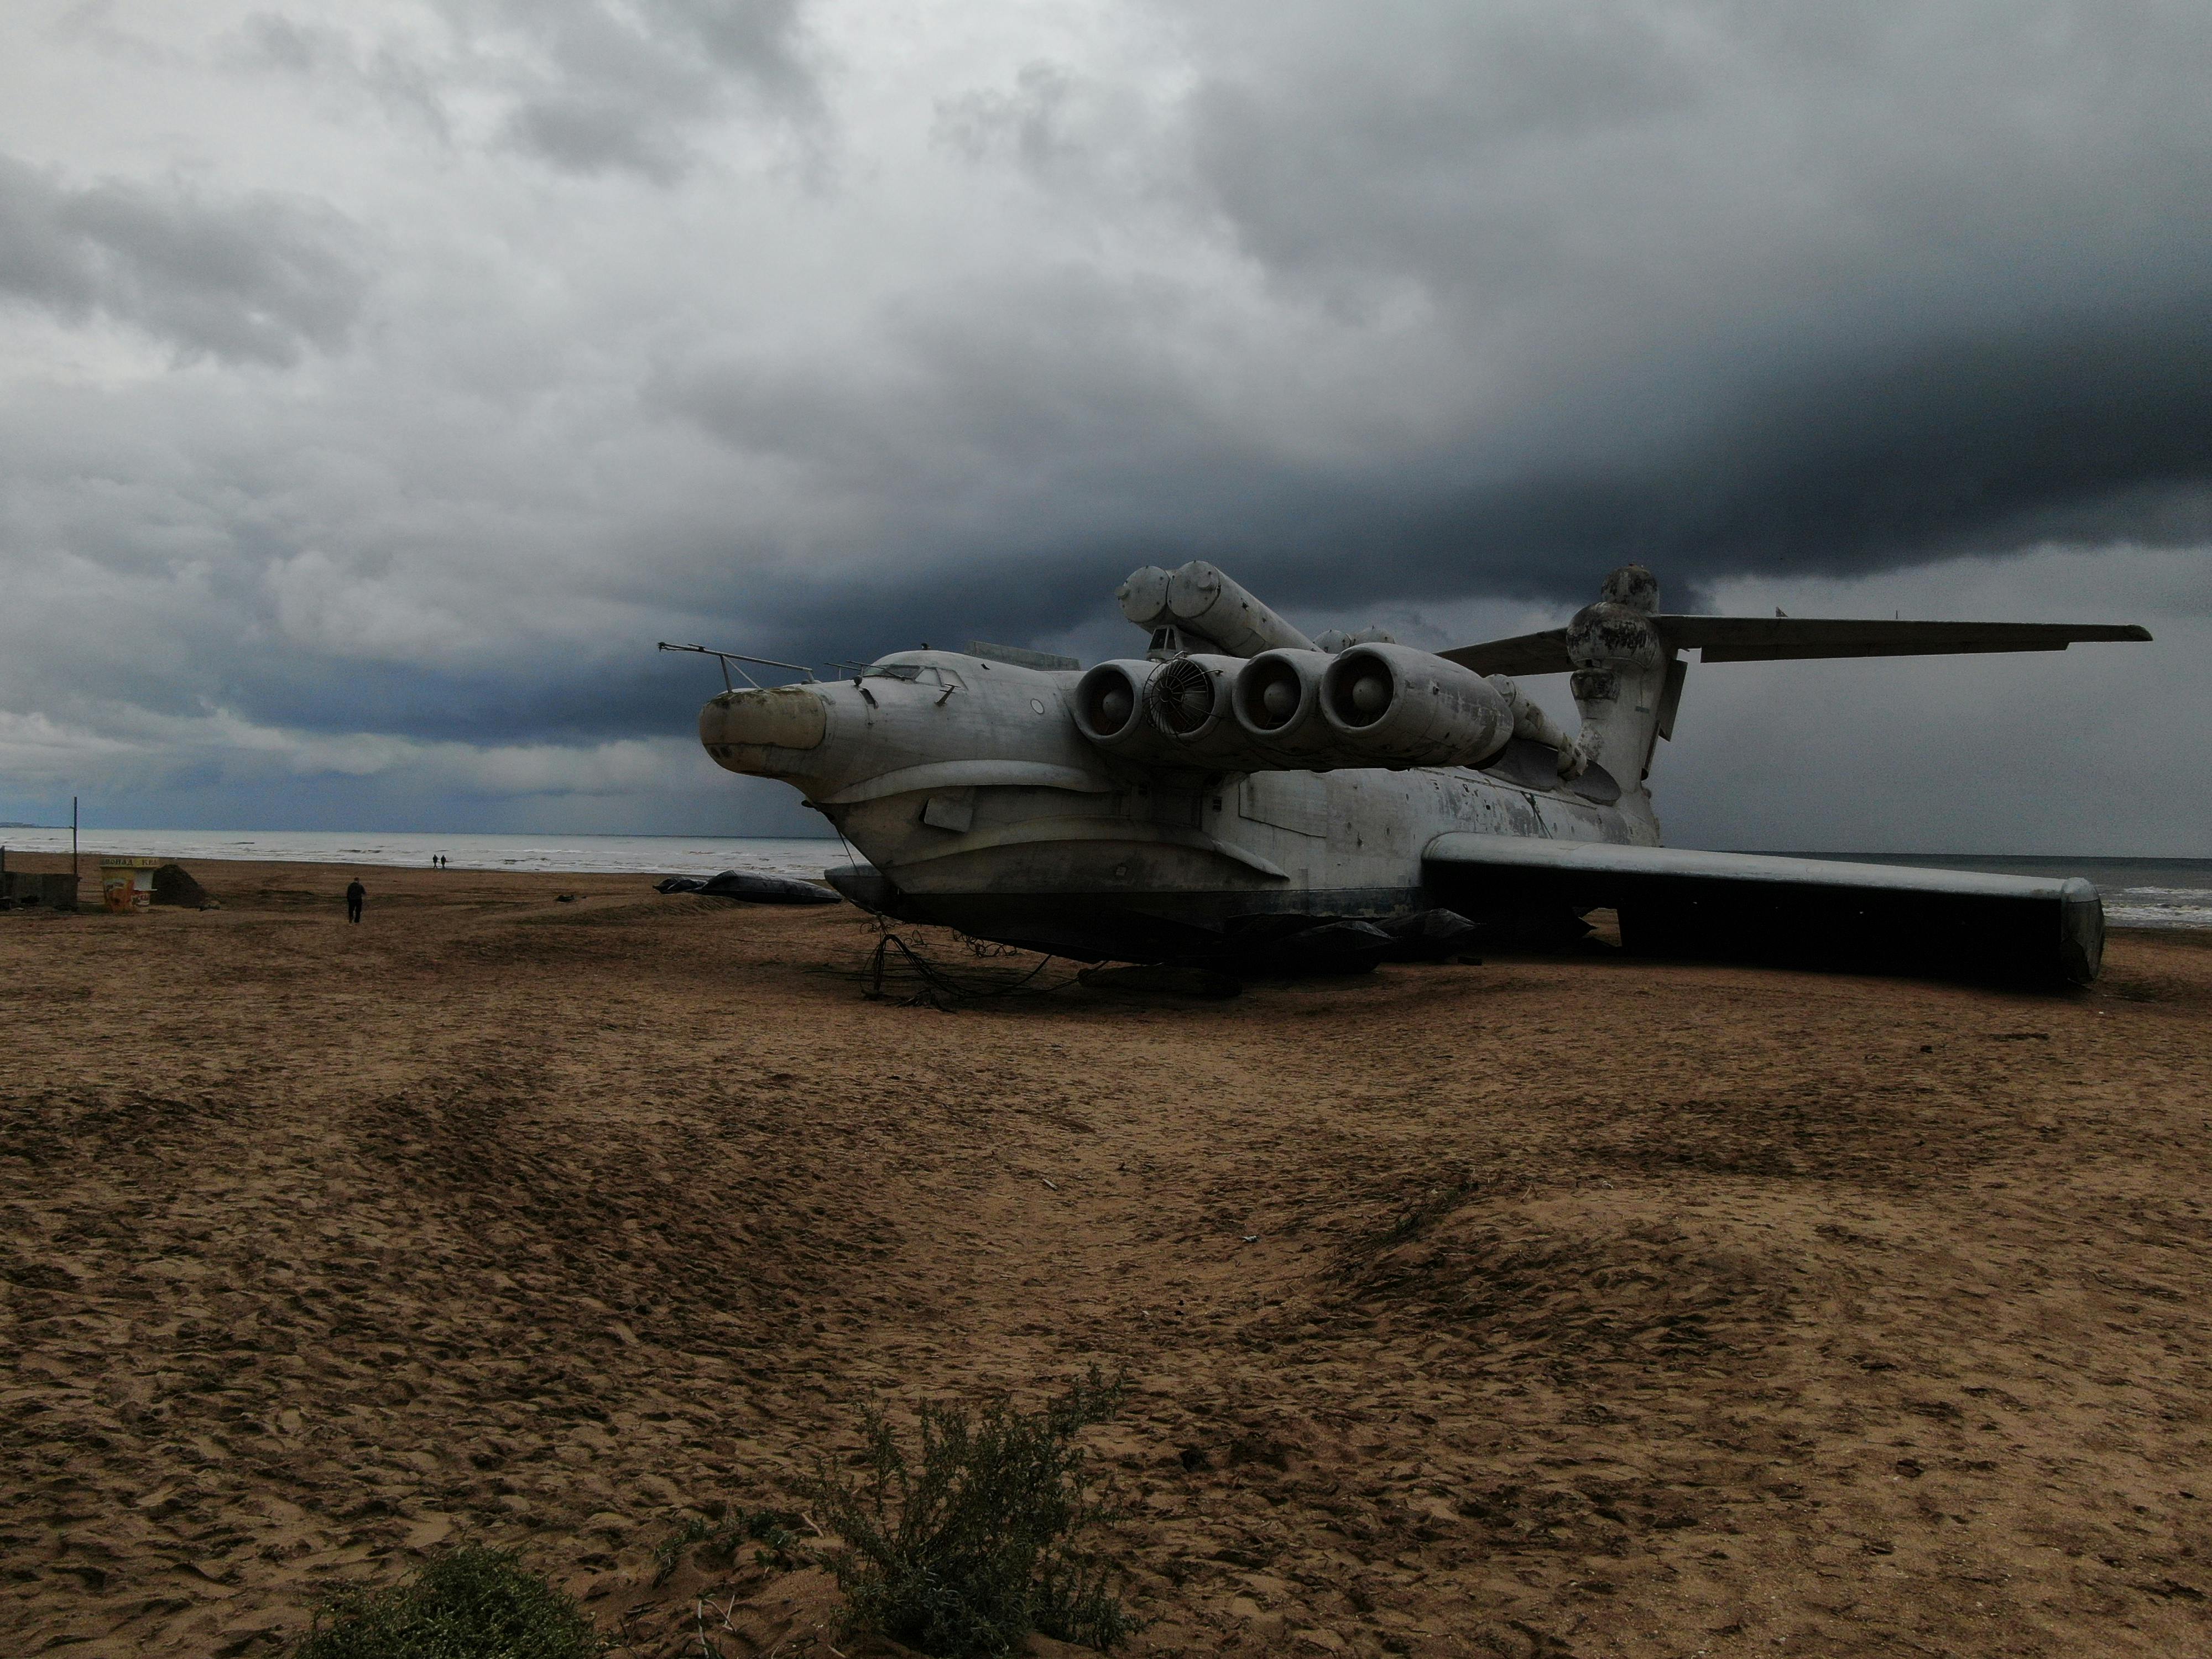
(2137, 892)
(644, 855)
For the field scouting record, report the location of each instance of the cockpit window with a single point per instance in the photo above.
(915, 673)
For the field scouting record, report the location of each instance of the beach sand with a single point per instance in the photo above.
(1564, 1305)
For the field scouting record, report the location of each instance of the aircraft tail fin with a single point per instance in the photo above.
(1625, 655)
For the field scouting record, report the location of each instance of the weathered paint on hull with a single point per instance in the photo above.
(1147, 871)
(1049, 838)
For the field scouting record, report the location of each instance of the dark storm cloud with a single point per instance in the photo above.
(2088, 431)
(1715, 287)
(1496, 152)
(260, 279)
(1834, 288)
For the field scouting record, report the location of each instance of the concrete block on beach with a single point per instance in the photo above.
(28, 890)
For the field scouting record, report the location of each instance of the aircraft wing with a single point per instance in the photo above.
(1774, 638)
(1777, 639)
(1527, 653)
(1757, 907)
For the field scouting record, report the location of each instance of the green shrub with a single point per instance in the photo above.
(474, 1603)
(965, 1552)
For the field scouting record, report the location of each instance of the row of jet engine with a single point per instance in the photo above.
(1288, 709)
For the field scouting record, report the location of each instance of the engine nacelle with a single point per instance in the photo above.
(1291, 710)
(1111, 711)
(1175, 713)
(1189, 702)
(1277, 702)
(1394, 705)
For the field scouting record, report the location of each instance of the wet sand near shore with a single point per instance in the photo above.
(1549, 1306)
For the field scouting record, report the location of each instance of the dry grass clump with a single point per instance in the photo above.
(965, 1550)
(474, 1603)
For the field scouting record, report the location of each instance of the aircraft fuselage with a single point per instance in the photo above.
(967, 786)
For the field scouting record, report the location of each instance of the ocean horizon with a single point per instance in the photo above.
(2138, 892)
(580, 854)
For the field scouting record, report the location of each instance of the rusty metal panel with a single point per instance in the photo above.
(954, 809)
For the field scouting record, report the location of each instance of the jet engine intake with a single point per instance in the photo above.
(1111, 712)
(1290, 709)
(1188, 701)
(1395, 706)
(1174, 713)
(1277, 701)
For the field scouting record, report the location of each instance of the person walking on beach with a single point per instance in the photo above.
(355, 894)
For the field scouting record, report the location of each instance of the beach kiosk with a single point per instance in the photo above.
(127, 884)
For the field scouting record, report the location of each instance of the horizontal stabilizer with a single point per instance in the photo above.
(1748, 906)
(1779, 639)
(1776, 639)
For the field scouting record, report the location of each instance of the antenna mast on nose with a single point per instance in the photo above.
(726, 658)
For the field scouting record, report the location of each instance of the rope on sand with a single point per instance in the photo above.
(938, 985)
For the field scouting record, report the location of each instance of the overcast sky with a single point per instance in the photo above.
(379, 381)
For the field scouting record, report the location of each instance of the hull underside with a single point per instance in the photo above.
(1130, 926)
(1947, 935)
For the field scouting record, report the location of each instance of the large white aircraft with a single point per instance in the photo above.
(1242, 793)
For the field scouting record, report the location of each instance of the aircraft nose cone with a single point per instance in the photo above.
(764, 731)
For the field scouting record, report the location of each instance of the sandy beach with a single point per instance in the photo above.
(1546, 1306)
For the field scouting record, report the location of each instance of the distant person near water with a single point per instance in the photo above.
(355, 894)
